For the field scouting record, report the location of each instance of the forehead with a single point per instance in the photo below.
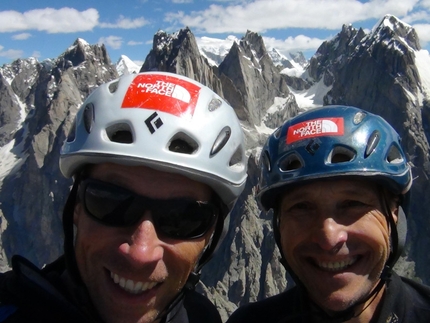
(333, 187)
(150, 182)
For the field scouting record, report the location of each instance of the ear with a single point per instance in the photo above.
(395, 214)
(77, 212)
(402, 227)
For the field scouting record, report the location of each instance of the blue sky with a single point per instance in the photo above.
(46, 28)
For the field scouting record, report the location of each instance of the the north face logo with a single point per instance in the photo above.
(315, 128)
(162, 93)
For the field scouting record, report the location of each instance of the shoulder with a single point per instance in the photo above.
(418, 293)
(200, 309)
(7, 286)
(412, 301)
(28, 294)
(6, 311)
(271, 309)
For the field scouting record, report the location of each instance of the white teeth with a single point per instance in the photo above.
(130, 285)
(337, 265)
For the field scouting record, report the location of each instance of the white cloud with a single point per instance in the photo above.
(114, 42)
(425, 4)
(126, 23)
(64, 20)
(36, 54)
(417, 16)
(134, 43)
(11, 53)
(262, 15)
(300, 43)
(423, 31)
(22, 36)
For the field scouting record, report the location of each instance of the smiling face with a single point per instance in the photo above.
(133, 273)
(335, 238)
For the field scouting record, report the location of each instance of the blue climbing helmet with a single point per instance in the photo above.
(332, 141)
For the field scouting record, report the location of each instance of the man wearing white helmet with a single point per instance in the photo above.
(337, 180)
(158, 162)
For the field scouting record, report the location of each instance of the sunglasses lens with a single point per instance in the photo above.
(176, 218)
(184, 219)
(110, 204)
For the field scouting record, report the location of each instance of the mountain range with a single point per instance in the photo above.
(383, 71)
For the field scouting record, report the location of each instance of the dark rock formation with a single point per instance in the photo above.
(38, 102)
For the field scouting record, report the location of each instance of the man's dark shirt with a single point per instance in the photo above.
(28, 294)
(404, 301)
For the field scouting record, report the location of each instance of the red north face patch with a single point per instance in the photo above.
(315, 128)
(162, 93)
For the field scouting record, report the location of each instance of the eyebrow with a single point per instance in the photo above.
(300, 192)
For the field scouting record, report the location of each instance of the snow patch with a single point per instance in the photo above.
(313, 97)
(422, 62)
(126, 66)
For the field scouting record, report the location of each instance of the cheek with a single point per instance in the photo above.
(90, 239)
(289, 238)
(187, 252)
(181, 259)
(373, 227)
(375, 231)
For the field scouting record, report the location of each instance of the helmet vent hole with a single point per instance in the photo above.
(113, 87)
(221, 140)
(292, 162)
(372, 143)
(120, 133)
(394, 156)
(72, 134)
(341, 155)
(237, 157)
(277, 133)
(183, 144)
(266, 161)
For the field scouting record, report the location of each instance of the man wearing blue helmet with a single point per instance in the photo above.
(337, 181)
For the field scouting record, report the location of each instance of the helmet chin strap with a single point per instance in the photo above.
(398, 237)
(194, 277)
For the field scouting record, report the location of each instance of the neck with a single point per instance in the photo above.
(367, 311)
(362, 313)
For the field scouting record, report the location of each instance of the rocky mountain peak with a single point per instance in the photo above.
(179, 53)
(256, 81)
(395, 33)
(333, 53)
(125, 66)
(81, 51)
(254, 42)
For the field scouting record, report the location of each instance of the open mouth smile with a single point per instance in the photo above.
(336, 265)
(131, 286)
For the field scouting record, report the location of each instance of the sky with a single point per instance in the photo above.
(46, 28)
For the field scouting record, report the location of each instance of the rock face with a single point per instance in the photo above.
(38, 103)
(379, 72)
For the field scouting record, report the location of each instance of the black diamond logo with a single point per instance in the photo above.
(153, 122)
(312, 147)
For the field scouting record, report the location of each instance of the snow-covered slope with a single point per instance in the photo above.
(126, 66)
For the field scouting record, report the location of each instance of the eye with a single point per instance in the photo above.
(352, 204)
(301, 209)
(297, 207)
(300, 206)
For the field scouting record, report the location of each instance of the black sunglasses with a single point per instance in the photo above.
(179, 218)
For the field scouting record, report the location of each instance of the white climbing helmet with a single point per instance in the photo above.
(164, 121)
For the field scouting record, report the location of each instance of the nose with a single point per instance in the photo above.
(143, 245)
(329, 234)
